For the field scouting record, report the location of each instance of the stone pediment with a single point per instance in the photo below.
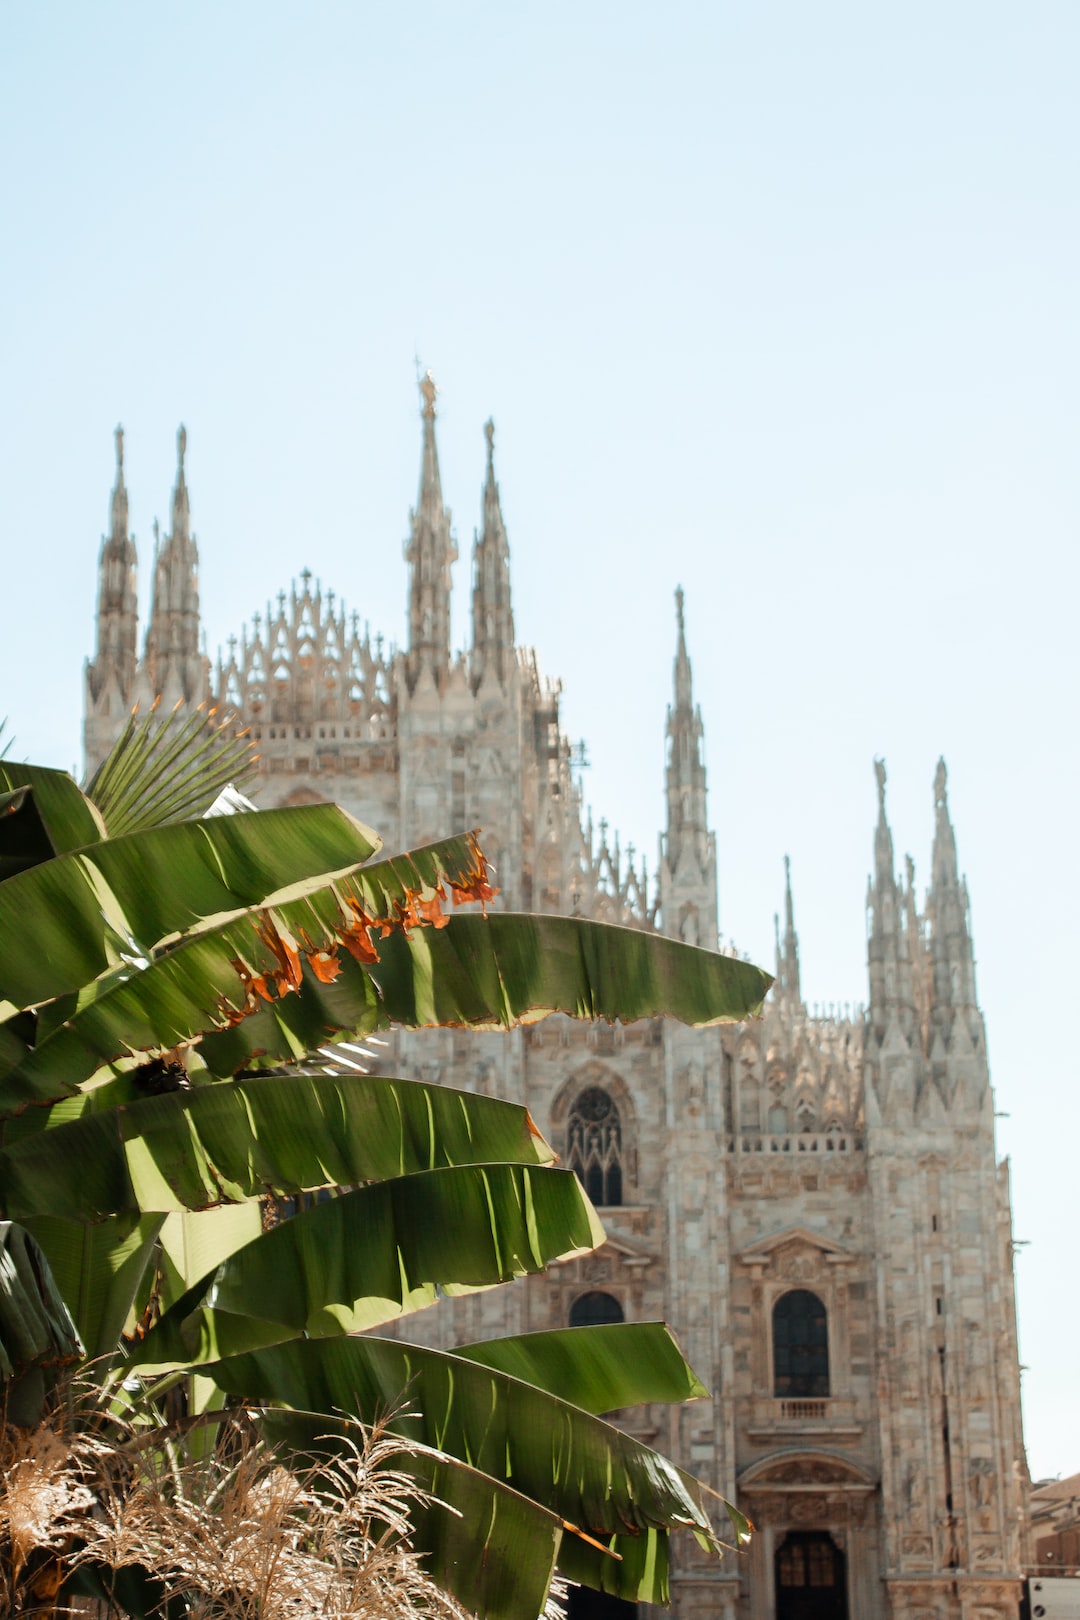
(627, 1251)
(795, 1237)
(806, 1471)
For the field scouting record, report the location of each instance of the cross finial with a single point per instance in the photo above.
(305, 575)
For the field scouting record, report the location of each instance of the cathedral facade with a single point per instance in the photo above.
(813, 1203)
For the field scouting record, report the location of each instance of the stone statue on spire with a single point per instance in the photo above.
(118, 435)
(941, 777)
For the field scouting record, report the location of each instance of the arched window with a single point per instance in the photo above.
(594, 1145)
(595, 1310)
(800, 1336)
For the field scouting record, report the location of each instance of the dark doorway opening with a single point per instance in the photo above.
(585, 1604)
(811, 1578)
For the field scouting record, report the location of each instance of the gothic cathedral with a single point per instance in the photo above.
(813, 1203)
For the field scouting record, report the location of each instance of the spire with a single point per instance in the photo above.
(181, 509)
(888, 947)
(175, 668)
(788, 989)
(688, 854)
(117, 615)
(947, 911)
(683, 685)
(493, 617)
(430, 550)
(119, 494)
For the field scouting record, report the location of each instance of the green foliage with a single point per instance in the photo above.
(160, 986)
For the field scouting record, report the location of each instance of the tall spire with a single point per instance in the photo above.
(429, 550)
(684, 698)
(788, 990)
(117, 615)
(493, 617)
(891, 995)
(175, 668)
(181, 508)
(947, 911)
(688, 851)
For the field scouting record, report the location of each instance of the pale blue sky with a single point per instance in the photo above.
(775, 301)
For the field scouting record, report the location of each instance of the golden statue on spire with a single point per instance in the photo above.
(428, 392)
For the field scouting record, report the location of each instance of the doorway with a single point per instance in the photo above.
(811, 1578)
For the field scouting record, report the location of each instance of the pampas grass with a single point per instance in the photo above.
(231, 1531)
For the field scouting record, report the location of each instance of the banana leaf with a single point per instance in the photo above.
(150, 886)
(98, 1270)
(35, 1325)
(574, 1464)
(483, 972)
(193, 1242)
(600, 1369)
(209, 979)
(279, 1134)
(495, 971)
(69, 819)
(364, 1258)
(24, 838)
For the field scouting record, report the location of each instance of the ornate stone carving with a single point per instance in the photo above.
(799, 1265)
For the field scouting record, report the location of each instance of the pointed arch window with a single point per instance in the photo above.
(595, 1309)
(594, 1145)
(800, 1334)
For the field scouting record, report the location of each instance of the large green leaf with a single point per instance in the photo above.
(634, 1568)
(69, 819)
(205, 981)
(193, 1242)
(150, 886)
(597, 1368)
(510, 968)
(98, 1270)
(24, 838)
(575, 1464)
(491, 1547)
(35, 1325)
(495, 971)
(364, 1258)
(279, 1134)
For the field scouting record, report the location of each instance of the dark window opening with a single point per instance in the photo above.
(800, 1346)
(594, 1145)
(811, 1579)
(595, 1310)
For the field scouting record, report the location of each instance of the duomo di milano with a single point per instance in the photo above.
(813, 1203)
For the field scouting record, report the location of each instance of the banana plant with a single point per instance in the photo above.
(162, 989)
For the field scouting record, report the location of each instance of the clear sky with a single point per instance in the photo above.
(775, 301)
